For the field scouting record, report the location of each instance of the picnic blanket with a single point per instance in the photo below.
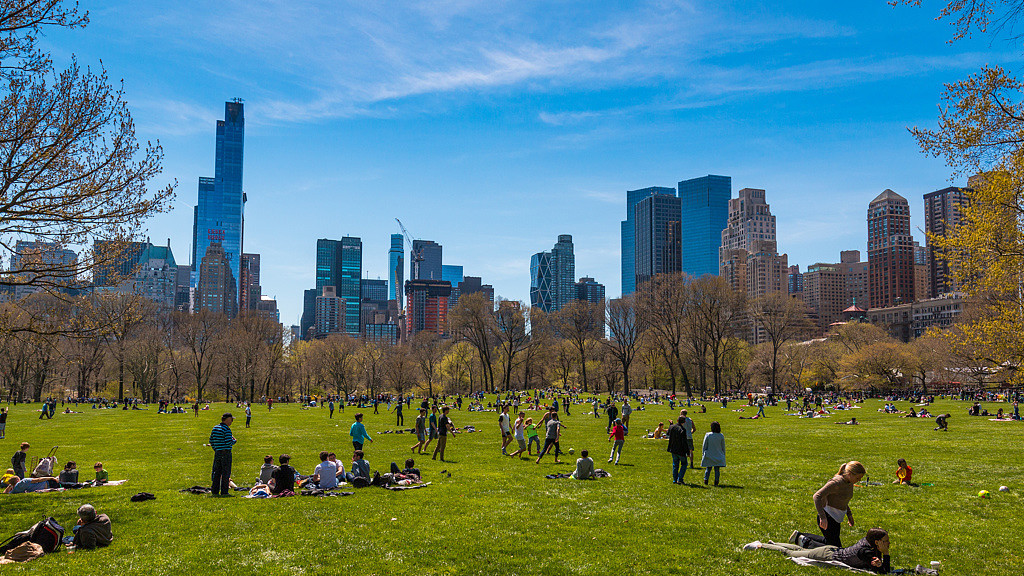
(410, 487)
(827, 564)
(112, 483)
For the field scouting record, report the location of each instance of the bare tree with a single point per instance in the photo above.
(512, 337)
(624, 335)
(718, 312)
(73, 170)
(664, 303)
(472, 320)
(581, 323)
(338, 360)
(198, 335)
(121, 314)
(428, 350)
(779, 318)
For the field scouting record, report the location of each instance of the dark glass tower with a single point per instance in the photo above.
(219, 213)
(552, 276)
(425, 260)
(704, 203)
(396, 272)
(658, 246)
(628, 231)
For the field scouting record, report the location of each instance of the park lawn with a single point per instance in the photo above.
(498, 515)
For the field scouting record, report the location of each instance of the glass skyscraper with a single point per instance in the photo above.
(628, 230)
(428, 267)
(705, 213)
(396, 268)
(219, 214)
(657, 237)
(553, 276)
(350, 274)
(451, 273)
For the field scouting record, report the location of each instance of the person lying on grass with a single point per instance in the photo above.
(870, 553)
(17, 485)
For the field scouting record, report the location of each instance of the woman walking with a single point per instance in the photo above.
(832, 501)
(713, 452)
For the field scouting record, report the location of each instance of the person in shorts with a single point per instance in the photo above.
(520, 431)
(421, 432)
(689, 427)
(431, 428)
(504, 424)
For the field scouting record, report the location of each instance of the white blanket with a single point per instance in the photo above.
(827, 564)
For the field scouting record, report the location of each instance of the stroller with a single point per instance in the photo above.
(44, 467)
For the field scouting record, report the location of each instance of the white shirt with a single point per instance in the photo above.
(503, 420)
(327, 471)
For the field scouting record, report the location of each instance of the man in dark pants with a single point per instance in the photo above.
(221, 441)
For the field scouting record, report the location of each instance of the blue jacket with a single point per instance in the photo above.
(358, 432)
(713, 451)
(220, 437)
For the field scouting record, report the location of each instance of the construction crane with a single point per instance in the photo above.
(415, 256)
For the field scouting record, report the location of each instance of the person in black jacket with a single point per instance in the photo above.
(678, 447)
(870, 553)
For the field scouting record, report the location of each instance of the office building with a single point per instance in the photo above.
(425, 260)
(628, 233)
(251, 289)
(795, 280)
(913, 319)
(470, 285)
(833, 290)
(156, 276)
(922, 275)
(396, 267)
(452, 274)
(657, 237)
(553, 276)
(308, 319)
(330, 313)
(857, 273)
(267, 306)
(943, 213)
(218, 216)
(704, 205)
(217, 285)
(426, 307)
(115, 261)
(339, 263)
(890, 251)
(374, 290)
(590, 290)
(183, 289)
(42, 264)
(750, 261)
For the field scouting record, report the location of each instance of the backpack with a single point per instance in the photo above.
(47, 534)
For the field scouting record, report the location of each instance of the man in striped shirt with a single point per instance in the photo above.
(221, 441)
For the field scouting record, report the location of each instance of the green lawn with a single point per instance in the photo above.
(497, 515)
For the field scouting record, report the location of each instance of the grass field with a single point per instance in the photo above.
(498, 515)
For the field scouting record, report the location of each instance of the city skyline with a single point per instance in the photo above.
(519, 132)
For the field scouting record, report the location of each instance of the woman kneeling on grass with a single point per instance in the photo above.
(871, 553)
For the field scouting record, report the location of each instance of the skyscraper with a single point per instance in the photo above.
(350, 278)
(704, 203)
(890, 251)
(251, 289)
(658, 247)
(590, 290)
(425, 260)
(330, 313)
(116, 262)
(327, 268)
(943, 213)
(451, 273)
(426, 306)
(749, 256)
(308, 319)
(628, 234)
(156, 275)
(219, 214)
(553, 275)
(396, 267)
(217, 286)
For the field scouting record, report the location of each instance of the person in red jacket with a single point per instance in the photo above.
(903, 473)
(618, 433)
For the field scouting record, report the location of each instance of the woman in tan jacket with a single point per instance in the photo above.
(832, 501)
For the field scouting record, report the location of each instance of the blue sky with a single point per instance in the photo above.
(493, 126)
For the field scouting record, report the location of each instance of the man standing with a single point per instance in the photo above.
(679, 448)
(222, 441)
(330, 406)
(18, 460)
(506, 430)
(613, 413)
(3, 423)
(248, 414)
(399, 420)
(689, 428)
(444, 427)
(421, 431)
(552, 432)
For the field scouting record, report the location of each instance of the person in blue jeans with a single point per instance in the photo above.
(713, 452)
(679, 448)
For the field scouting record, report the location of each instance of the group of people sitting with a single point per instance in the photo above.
(17, 481)
(282, 479)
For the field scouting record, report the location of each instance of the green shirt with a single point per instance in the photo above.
(531, 430)
(102, 476)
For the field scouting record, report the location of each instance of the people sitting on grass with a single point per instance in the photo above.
(340, 474)
(69, 475)
(903, 472)
(92, 530)
(325, 475)
(584, 467)
(283, 479)
(870, 553)
(102, 477)
(658, 433)
(360, 467)
(267, 470)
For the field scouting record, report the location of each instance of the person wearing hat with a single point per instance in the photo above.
(92, 530)
(221, 440)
